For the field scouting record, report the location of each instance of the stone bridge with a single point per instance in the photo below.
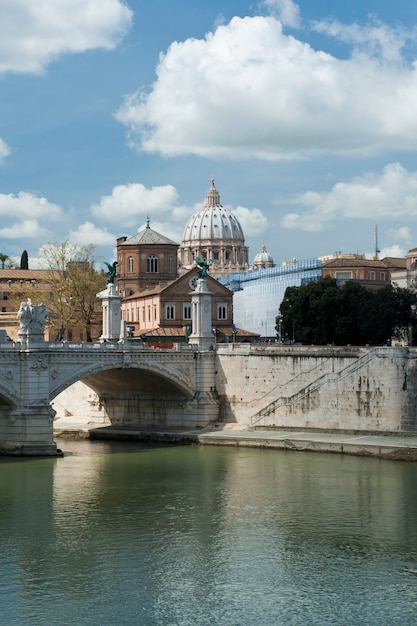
(140, 385)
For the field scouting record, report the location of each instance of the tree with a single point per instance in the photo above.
(24, 261)
(322, 312)
(3, 259)
(73, 283)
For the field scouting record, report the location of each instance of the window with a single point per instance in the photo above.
(152, 264)
(130, 266)
(343, 275)
(371, 275)
(222, 311)
(383, 276)
(186, 311)
(170, 312)
(171, 265)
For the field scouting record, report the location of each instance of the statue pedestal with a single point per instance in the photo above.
(111, 313)
(202, 334)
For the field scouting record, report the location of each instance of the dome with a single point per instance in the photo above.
(214, 233)
(263, 259)
(213, 222)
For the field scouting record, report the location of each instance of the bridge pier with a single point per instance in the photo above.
(27, 431)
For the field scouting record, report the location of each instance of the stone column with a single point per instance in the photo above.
(111, 313)
(201, 335)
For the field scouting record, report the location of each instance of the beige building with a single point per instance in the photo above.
(370, 273)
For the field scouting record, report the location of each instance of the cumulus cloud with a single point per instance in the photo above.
(395, 251)
(403, 233)
(374, 38)
(377, 196)
(4, 150)
(88, 233)
(34, 33)
(24, 229)
(287, 11)
(128, 203)
(250, 91)
(27, 205)
(253, 221)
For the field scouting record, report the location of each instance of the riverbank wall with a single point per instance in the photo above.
(331, 388)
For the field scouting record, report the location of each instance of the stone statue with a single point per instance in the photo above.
(112, 272)
(203, 266)
(32, 319)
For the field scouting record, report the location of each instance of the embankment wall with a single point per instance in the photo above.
(359, 389)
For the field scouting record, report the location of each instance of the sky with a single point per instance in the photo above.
(304, 113)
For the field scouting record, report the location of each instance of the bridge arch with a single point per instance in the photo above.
(137, 393)
(102, 377)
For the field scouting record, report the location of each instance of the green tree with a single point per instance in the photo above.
(3, 259)
(24, 261)
(323, 312)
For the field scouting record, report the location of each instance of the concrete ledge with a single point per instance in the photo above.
(396, 447)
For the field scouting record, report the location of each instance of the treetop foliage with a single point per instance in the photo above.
(323, 312)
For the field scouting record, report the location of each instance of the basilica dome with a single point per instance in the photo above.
(262, 259)
(214, 233)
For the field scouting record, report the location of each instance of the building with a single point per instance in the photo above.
(17, 285)
(406, 276)
(146, 260)
(163, 313)
(370, 273)
(258, 293)
(214, 233)
(156, 301)
(262, 260)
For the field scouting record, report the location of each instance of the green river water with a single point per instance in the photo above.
(130, 533)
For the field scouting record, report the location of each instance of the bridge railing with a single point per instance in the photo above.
(95, 346)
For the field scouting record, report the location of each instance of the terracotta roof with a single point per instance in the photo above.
(152, 291)
(353, 263)
(25, 274)
(394, 263)
(179, 331)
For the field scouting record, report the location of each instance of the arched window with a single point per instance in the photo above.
(152, 264)
(171, 264)
(130, 266)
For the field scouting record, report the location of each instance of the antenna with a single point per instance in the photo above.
(376, 250)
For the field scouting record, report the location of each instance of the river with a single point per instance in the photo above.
(131, 533)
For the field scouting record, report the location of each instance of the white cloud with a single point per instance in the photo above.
(35, 32)
(395, 251)
(248, 90)
(128, 203)
(375, 38)
(27, 205)
(287, 11)
(253, 221)
(25, 229)
(87, 234)
(391, 194)
(4, 150)
(402, 233)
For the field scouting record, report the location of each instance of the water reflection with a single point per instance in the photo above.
(144, 534)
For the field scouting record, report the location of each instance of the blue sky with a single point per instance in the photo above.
(304, 113)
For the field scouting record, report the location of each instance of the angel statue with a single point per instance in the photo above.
(203, 266)
(112, 272)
